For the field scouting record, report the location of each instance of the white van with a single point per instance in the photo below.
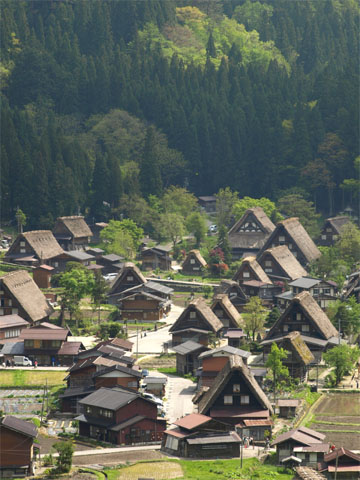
(22, 361)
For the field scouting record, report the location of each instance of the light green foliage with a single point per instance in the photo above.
(171, 227)
(243, 204)
(294, 205)
(196, 224)
(275, 365)
(122, 237)
(225, 201)
(254, 316)
(252, 14)
(178, 200)
(343, 359)
(347, 313)
(349, 243)
(77, 283)
(189, 38)
(330, 266)
(64, 460)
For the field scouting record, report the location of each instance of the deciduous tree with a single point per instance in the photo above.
(254, 316)
(342, 358)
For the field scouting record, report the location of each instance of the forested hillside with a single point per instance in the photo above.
(106, 99)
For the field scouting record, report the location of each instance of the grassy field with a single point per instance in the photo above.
(201, 470)
(33, 378)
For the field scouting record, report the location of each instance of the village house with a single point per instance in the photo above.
(19, 295)
(226, 312)
(299, 437)
(96, 229)
(111, 263)
(17, 447)
(299, 356)
(60, 261)
(155, 385)
(143, 305)
(323, 291)
(332, 229)
(280, 265)
(197, 322)
(118, 376)
(208, 203)
(33, 248)
(249, 233)
(128, 277)
(11, 326)
(42, 275)
(291, 233)
(194, 263)
(286, 407)
(96, 252)
(211, 362)
(72, 233)
(304, 315)
(200, 436)
(10, 349)
(156, 257)
(342, 464)
(352, 286)
(236, 398)
(311, 456)
(234, 291)
(120, 416)
(187, 357)
(235, 337)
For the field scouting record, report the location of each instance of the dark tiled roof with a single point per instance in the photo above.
(110, 398)
(187, 347)
(226, 349)
(26, 428)
(119, 368)
(194, 420)
(44, 334)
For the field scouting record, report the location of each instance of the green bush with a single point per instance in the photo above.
(64, 460)
(48, 460)
(36, 422)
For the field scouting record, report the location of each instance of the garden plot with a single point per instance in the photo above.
(338, 417)
(21, 402)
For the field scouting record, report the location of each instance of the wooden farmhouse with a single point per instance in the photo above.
(341, 464)
(42, 275)
(299, 437)
(194, 263)
(323, 291)
(155, 385)
(291, 233)
(111, 263)
(299, 355)
(156, 257)
(11, 326)
(128, 277)
(236, 398)
(235, 293)
(33, 248)
(60, 261)
(304, 315)
(120, 416)
(235, 337)
(352, 286)
(17, 448)
(254, 281)
(249, 234)
(226, 312)
(195, 323)
(19, 295)
(208, 203)
(200, 436)
(72, 233)
(187, 357)
(96, 230)
(280, 265)
(332, 229)
(286, 407)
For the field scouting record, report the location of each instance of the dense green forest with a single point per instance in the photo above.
(107, 102)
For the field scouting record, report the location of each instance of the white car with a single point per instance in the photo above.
(110, 277)
(152, 397)
(213, 228)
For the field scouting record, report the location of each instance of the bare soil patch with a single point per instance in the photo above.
(346, 404)
(117, 458)
(332, 418)
(324, 427)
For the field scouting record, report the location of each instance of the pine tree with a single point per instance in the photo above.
(210, 46)
(150, 178)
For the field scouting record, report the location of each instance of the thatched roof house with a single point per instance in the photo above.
(34, 247)
(233, 290)
(194, 262)
(280, 264)
(251, 270)
(72, 232)
(250, 232)
(26, 298)
(332, 230)
(290, 232)
(225, 311)
(128, 277)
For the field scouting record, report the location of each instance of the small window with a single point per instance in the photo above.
(1, 311)
(192, 261)
(328, 230)
(286, 328)
(56, 264)
(246, 274)
(236, 388)
(88, 409)
(268, 270)
(316, 291)
(290, 246)
(298, 316)
(228, 400)
(22, 250)
(130, 278)
(22, 244)
(268, 263)
(305, 328)
(244, 399)
(9, 302)
(14, 311)
(323, 237)
(281, 238)
(192, 314)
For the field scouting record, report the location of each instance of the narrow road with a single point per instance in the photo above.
(179, 394)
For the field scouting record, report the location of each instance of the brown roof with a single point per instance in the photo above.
(260, 216)
(70, 348)
(75, 225)
(194, 420)
(197, 255)
(44, 334)
(257, 423)
(255, 267)
(311, 308)
(338, 222)
(339, 452)
(251, 239)
(128, 267)
(303, 435)
(176, 432)
(287, 261)
(48, 325)
(8, 321)
(287, 402)
(224, 301)
(298, 345)
(42, 242)
(235, 363)
(21, 426)
(122, 343)
(27, 294)
(205, 312)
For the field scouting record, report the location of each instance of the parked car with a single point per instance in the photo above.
(152, 397)
(213, 228)
(110, 277)
(22, 361)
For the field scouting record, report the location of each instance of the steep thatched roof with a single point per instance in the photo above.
(27, 294)
(128, 268)
(75, 225)
(197, 256)
(242, 237)
(337, 223)
(263, 220)
(313, 311)
(42, 242)
(252, 263)
(224, 301)
(230, 286)
(286, 260)
(234, 364)
(293, 341)
(204, 312)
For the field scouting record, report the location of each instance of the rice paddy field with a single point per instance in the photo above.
(338, 417)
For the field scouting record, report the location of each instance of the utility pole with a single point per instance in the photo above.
(42, 406)
(339, 331)
(137, 342)
(336, 464)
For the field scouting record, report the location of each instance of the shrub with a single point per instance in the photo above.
(36, 422)
(48, 460)
(64, 460)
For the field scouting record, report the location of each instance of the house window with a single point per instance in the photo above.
(327, 291)
(9, 302)
(192, 314)
(130, 278)
(298, 316)
(14, 311)
(305, 328)
(228, 400)
(246, 274)
(22, 244)
(281, 238)
(290, 246)
(22, 250)
(328, 230)
(105, 413)
(268, 270)
(295, 254)
(29, 343)
(172, 443)
(55, 343)
(1, 311)
(316, 291)
(87, 409)
(268, 263)
(236, 388)
(56, 264)
(323, 237)
(286, 328)
(192, 261)
(244, 399)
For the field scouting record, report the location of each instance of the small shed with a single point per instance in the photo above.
(235, 337)
(187, 356)
(155, 385)
(287, 407)
(42, 276)
(194, 263)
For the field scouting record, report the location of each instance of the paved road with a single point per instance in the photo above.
(179, 394)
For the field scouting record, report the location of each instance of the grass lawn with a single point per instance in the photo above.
(201, 470)
(23, 378)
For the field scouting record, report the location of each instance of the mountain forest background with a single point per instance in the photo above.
(106, 104)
